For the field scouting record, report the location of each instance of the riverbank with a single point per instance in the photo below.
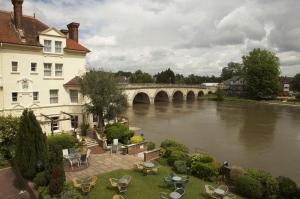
(293, 103)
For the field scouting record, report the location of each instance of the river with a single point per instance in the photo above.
(246, 134)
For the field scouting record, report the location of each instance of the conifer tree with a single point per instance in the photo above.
(31, 145)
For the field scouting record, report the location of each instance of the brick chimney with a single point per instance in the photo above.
(17, 13)
(73, 31)
(64, 31)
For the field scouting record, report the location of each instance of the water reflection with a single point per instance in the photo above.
(251, 135)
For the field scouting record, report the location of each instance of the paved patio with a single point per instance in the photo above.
(104, 163)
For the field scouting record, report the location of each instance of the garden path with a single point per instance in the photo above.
(104, 163)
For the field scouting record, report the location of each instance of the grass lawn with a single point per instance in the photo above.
(145, 187)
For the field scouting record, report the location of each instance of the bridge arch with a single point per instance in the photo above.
(141, 98)
(200, 94)
(177, 96)
(190, 95)
(161, 96)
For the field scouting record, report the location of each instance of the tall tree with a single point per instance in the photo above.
(8, 130)
(31, 145)
(105, 97)
(231, 70)
(165, 77)
(262, 74)
(140, 77)
(296, 83)
(179, 79)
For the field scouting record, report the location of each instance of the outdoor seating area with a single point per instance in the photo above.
(121, 184)
(221, 192)
(175, 182)
(86, 184)
(74, 158)
(147, 168)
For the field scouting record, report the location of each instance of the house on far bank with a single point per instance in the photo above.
(286, 85)
(39, 69)
(235, 86)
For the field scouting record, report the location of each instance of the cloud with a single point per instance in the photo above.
(190, 36)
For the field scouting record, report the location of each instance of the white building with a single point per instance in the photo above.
(38, 70)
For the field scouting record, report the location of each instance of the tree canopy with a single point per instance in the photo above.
(262, 74)
(231, 70)
(140, 77)
(165, 77)
(106, 100)
(296, 83)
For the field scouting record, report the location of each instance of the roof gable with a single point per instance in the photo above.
(53, 32)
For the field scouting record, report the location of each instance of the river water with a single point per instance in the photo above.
(246, 134)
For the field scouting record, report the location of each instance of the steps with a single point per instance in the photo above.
(90, 142)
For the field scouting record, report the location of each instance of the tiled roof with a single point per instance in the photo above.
(73, 82)
(31, 27)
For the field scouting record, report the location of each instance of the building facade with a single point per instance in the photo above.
(39, 69)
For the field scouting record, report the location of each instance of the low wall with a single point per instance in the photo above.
(151, 155)
(133, 149)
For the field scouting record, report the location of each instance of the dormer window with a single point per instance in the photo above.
(47, 45)
(58, 45)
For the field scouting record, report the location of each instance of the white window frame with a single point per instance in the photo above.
(13, 67)
(47, 48)
(47, 69)
(33, 65)
(58, 70)
(73, 98)
(35, 96)
(14, 98)
(58, 47)
(53, 97)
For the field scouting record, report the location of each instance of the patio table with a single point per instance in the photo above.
(148, 165)
(123, 182)
(175, 195)
(219, 192)
(176, 178)
(73, 159)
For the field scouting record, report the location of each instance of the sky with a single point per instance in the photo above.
(189, 36)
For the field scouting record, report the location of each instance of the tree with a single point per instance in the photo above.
(8, 129)
(140, 77)
(165, 77)
(179, 79)
(106, 100)
(31, 145)
(262, 74)
(296, 83)
(231, 70)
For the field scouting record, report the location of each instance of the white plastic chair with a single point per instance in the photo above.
(115, 146)
(65, 153)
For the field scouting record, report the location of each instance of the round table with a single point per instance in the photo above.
(148, 164)
(219, 191)
(176, 178)
(175, 195)
(123, 182)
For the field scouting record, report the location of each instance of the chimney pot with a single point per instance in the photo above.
(17, 13)
(73, 31)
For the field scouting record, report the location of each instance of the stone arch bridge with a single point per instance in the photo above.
(152, 93)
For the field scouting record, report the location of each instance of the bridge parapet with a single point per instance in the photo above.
(145, 86)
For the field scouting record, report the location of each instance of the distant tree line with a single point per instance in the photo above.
(166, 77)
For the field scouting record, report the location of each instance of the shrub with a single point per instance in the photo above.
(171, 143)
(249, 187)
(68, 192)
(118, 131)
(203, 166)
(136, 139)
(287, 188)
(269, 184)
(236, 172)
(41, 179)
(220, 94)
(180, 166)
(57, 180)
(151, 146)
(176, 155)
(64, 141)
